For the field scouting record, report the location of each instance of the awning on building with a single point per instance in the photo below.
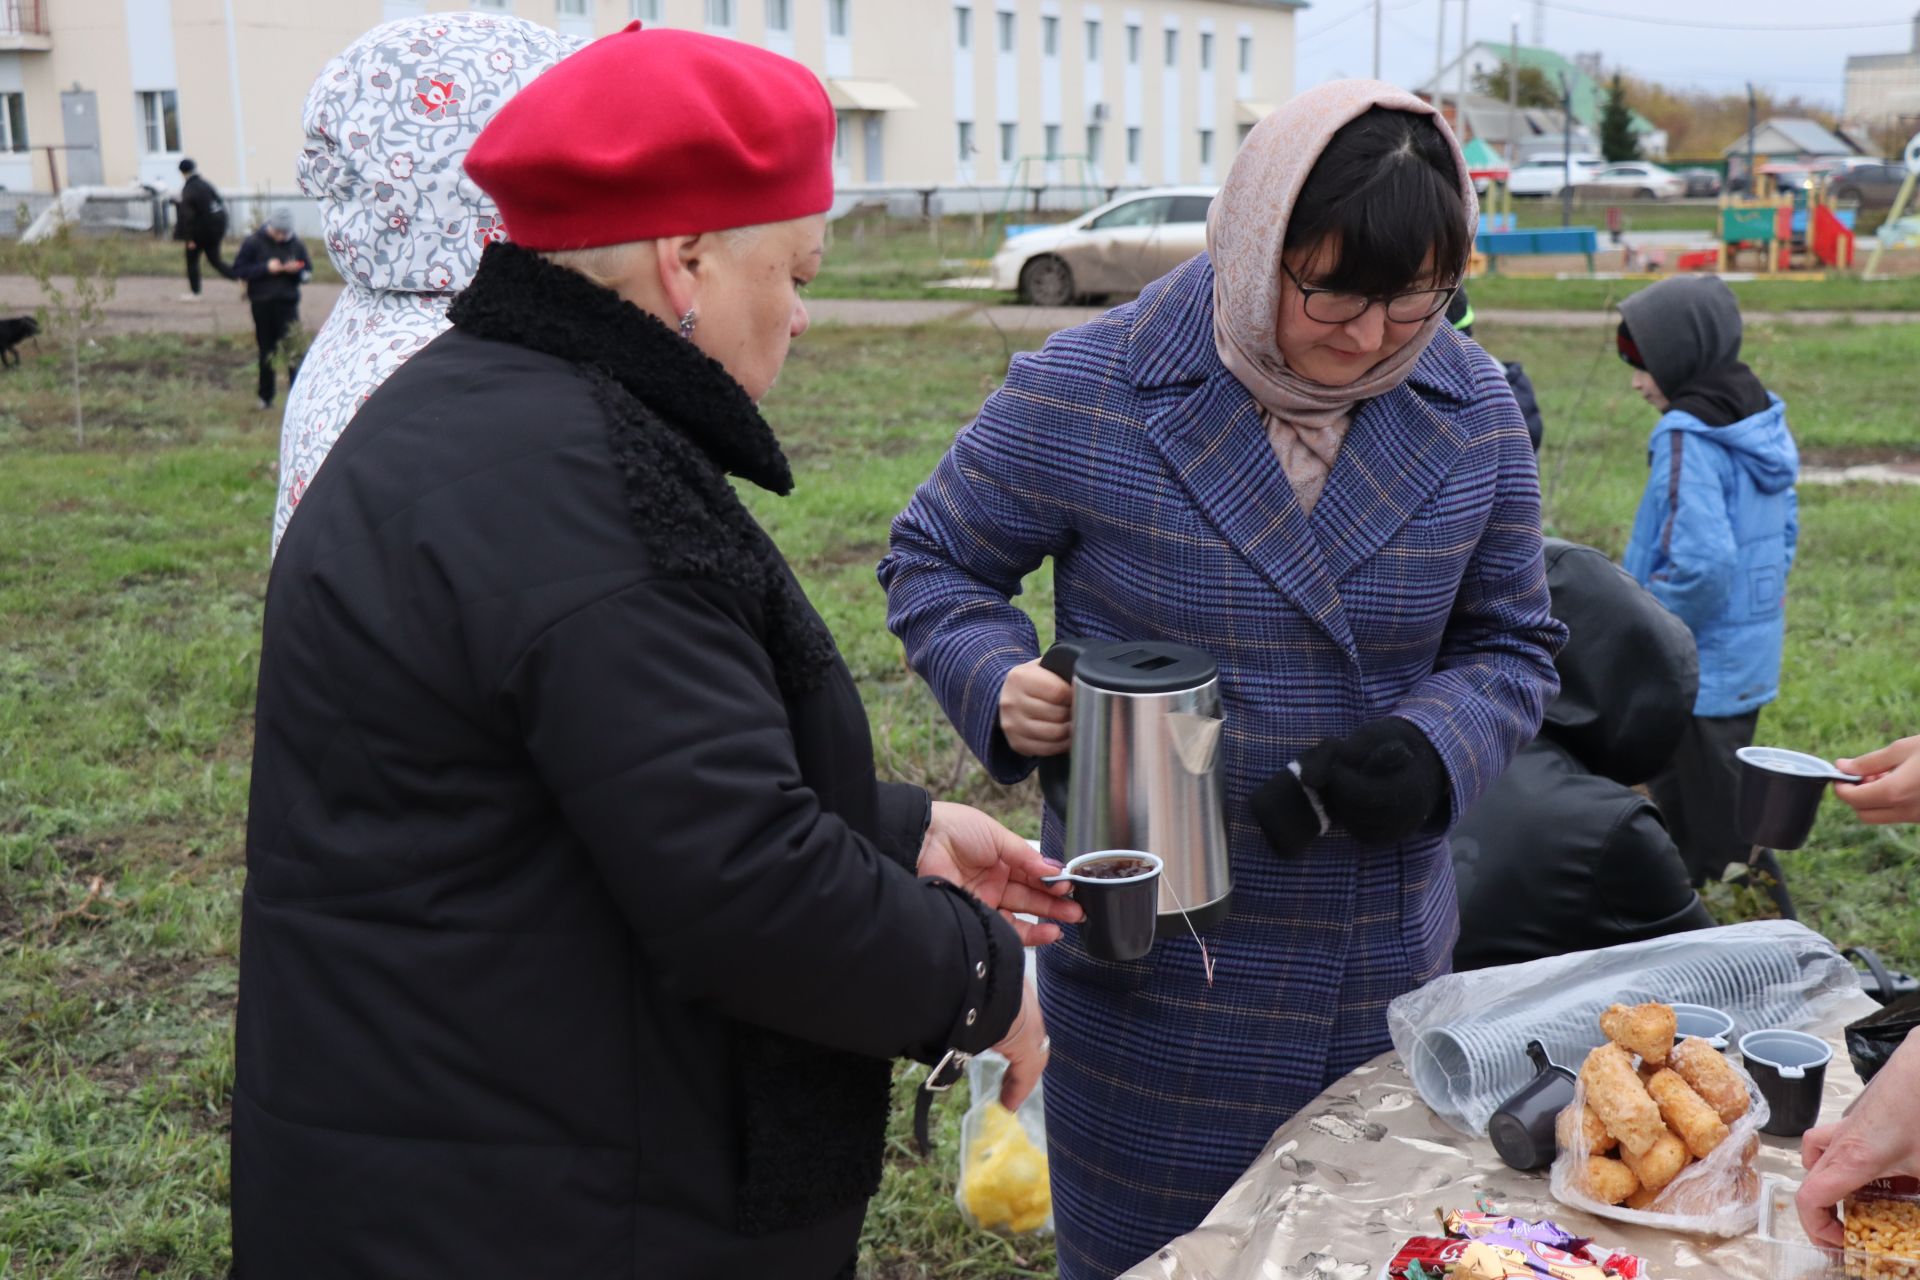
(1252, 112)
(868, 95)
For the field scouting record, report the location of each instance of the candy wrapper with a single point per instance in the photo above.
(1430, 1254)
(1494, 1246)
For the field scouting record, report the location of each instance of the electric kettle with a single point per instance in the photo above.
(1144, 769)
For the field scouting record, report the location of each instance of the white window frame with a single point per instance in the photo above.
(1206, 147)
(1133, 44)
(1093, 40)
(644, 10)
(780, 17)
(1051, 141)
(572, 8)
(965, 140)
(12, 142)
(1007, 37)
(496, 6)
(1206, 50)
(1171, 50)
(839, 19)
(840, 137)
(153, 105)
(1049, 36)
(963, 26)
(1246, 56)
(1096, 137)
(1009, 142)
(1133, 145)
(722, 15)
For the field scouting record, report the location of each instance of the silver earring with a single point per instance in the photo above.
(687, 322)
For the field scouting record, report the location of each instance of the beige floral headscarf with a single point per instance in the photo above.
(1246, 233)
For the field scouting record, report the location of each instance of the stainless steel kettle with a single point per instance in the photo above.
(1144, 769)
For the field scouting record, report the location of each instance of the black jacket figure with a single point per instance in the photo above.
(1460, 316)
(200, 223)
(1561, 854)
(578, 932)
(274, 294)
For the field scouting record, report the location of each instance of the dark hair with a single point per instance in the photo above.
(187, 166)
(1386, 192)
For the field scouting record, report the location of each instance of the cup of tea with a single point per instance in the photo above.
(1119, 890)
(1780, 793)
(1791, 1069)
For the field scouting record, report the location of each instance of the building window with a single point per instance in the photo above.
(839, 137)
(780, 16)
(1050, 37)
(963, 27)
(1246, 55)
(1007, 143)
(966, 141)
(1093, 40)
(498, 6)
(160, 120)
(13, 122)
(1094, 140)
(720, 14)
(644, 10)
(1006, 31)
(571, 8)
(1133, 45)
(1206, 146)
(839, 21)
(1173, 50)
(1206, 50)
(1133, 145)
(1245, 129)
(1053, 141)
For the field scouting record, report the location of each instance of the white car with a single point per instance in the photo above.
(1632, 180)
(1545, 175)
(1120, 247)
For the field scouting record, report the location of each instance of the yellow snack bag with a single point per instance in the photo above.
(1005, 1184)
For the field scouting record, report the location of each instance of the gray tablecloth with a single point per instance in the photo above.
(1366, 1164)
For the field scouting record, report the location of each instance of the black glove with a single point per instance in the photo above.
(1382, 782)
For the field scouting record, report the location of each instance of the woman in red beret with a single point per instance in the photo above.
(578, 933)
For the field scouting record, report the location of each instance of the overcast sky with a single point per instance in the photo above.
(1335, 38)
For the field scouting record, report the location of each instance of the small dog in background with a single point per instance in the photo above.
(14, 332)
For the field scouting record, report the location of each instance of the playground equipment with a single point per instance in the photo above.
(1779, 220)
(1900, 202)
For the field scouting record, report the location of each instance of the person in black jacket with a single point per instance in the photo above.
(1562, 854)
(273, 261)
(1460, 316)
(578, 931)
(200, 221)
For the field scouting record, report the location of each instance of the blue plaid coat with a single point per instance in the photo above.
(1128, 453)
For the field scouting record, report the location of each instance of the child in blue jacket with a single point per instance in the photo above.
(1713, 542)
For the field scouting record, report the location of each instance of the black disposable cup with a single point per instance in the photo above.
(1704, 1022)
(1790, 1067)
(1780, 795)
(1522, 1129)
(1120, 914)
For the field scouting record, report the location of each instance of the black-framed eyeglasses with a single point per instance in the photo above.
(1330, 306)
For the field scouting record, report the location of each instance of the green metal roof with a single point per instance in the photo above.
(1481, 156)
(1589, 96)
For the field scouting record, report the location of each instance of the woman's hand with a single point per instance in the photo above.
(1891, 790)
(1036, 710)
(965, 847)
(1879, 1138)
(1025, 1049)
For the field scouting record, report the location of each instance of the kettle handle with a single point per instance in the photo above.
(1060, 660)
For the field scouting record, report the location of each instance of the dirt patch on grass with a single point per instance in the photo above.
(1859, 455)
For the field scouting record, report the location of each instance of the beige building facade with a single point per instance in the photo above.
(930, 93)
(1884, 88)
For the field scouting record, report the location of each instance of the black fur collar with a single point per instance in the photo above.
(518, 296)
(677, 424)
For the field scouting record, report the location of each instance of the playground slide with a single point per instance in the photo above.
(1831, 241)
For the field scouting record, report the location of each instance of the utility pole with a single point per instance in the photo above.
(1460, 102)
(1440, 60)
(1753, 128)
(1566, 150)
(1539, 24)
(1513, 95)
(1376, 38)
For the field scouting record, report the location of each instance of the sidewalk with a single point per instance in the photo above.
(152, 304)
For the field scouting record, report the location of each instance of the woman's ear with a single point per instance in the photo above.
(679, 261)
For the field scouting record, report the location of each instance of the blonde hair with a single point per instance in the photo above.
(607, 265)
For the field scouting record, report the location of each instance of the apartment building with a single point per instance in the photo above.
(930, 93)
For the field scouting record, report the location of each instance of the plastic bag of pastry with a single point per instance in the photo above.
(1003, 1184)
(1718, 1194)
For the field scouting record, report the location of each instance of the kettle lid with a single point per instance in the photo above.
(1145, 667)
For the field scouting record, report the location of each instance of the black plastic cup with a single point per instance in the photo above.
(1522, 1129)
(1703, 1022)
(1780, 793)
(1790, 1067)
(1121, 912)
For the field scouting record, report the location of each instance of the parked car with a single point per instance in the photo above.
(1545, 175)
(1870, 186)
(1631, 180)
(1120, 247)
(1701, 182)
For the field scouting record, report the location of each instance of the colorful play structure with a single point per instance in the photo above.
(1499, 235)
(1791, 227)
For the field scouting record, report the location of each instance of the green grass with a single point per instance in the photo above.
(143, 255)
(131, 574)
(1636, 215)
(1835, 293)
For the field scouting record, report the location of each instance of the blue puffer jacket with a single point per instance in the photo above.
(1713, 541)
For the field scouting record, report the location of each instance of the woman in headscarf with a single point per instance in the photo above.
(1279, 454)
(578, 932)
(389, 123)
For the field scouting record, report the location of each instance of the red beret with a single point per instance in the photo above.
(657, 133)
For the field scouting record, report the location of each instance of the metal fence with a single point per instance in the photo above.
(152, 212)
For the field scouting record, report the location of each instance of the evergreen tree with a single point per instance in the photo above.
(1534, 89)
(1617, 142)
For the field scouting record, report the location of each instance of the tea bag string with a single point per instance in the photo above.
(1206, 957)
